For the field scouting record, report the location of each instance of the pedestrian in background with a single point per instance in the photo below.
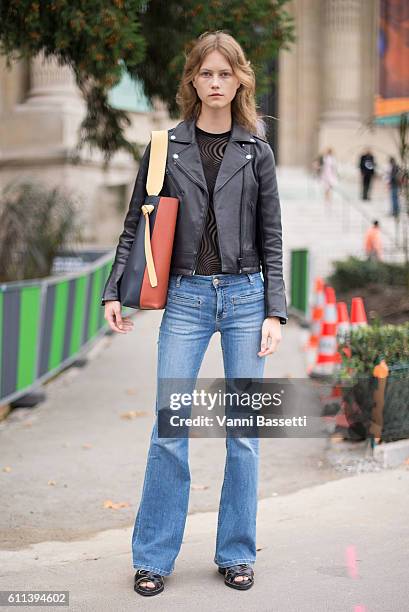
(367, 166)
(329, 173)
(394, 177)
(373, 242)
(317, 166)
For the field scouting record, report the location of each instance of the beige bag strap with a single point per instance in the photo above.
(157, 161)
(154, 183)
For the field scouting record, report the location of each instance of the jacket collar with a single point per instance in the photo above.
(235, 156)
(185, 132)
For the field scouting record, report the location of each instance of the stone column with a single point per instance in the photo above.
(341, 60)
(48, 119)
(52, 84)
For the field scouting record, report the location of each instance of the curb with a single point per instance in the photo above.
(358, 457)
(392, 454)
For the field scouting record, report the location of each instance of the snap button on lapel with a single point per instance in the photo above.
(173, 137)
(175, 156)
(249, 156)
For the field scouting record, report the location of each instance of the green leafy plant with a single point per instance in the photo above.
(356, 273)
(361, 352)
(366, 345)
(35, 223)
(404, 157)
(147, 38)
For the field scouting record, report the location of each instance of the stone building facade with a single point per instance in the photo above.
(40, 112)
(325, 97)
(328, 81)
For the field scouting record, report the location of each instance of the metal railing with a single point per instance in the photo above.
(47, 323)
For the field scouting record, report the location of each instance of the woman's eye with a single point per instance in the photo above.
(224, 74)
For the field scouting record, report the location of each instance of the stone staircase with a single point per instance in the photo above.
(334, 230)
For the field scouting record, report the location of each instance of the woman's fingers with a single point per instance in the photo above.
(270, 339)
(114, 317)
(269, 350)
(113, 323)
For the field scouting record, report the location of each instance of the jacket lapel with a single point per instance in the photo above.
(190, 161)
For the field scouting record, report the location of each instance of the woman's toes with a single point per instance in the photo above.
(149, 584)
(240, 578)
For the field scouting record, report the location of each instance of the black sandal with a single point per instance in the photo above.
(243, 569)
(143, 575)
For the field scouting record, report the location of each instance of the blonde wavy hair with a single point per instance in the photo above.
(243, 106)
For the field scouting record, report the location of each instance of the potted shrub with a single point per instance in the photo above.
(35, 223)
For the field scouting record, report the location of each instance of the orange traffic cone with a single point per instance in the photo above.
(317, 313)
(327, 347)
(319, 295)
(311, 356)
(358, 314)
(343, 326)
(343, 321)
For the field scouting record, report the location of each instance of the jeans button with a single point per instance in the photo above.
(216, 281)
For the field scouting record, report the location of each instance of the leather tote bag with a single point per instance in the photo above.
(144, 283)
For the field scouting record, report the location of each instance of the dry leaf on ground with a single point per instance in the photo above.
(108, 503)
(133, 414)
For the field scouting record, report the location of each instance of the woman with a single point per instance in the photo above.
(329, 173)
(228, 223)
(394, 183)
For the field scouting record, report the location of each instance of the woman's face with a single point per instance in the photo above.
(216, 77)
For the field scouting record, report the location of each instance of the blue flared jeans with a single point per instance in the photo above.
(197, 307)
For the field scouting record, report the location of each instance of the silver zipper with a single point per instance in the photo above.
(243, 203)
(240, 233)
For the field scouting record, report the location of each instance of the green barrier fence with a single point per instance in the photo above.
(300, 281)
(45, 323)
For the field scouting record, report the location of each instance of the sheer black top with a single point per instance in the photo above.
(211, 148)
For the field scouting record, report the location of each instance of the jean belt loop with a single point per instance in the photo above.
(251, 279)
(178, 278)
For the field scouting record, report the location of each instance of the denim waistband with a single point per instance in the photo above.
(223, 279)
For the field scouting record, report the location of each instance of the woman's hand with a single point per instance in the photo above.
(113, 316)
(271, 329)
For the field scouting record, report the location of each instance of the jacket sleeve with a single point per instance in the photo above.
(127, 236)
(271, 238)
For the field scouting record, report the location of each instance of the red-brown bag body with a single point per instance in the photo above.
(135, 289)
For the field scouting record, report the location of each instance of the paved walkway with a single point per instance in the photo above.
(332, 230)
(90, 440)
(328, 541)
(336, 547)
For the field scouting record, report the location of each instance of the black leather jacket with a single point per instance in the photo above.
(247, 209)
